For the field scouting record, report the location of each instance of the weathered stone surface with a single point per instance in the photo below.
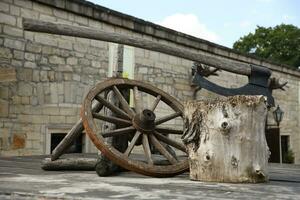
(24, 89)
(18, 141)
(13, 31)
(4, 108)
(14, 44)
(30, 64)
(33, 47)
(7, 75)
(7, 19)
(56, 60)
(5, 53)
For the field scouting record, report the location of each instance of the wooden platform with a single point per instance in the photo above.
(22, 178)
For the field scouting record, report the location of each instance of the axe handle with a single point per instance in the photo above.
(161, 46)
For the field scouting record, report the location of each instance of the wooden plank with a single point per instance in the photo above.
(90, 33)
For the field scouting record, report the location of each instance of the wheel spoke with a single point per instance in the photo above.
(170, 142)
(112, 107)
(167, 118)
(155, 103)
(97, 106)
(168, 130)
(111, 119)
(162, 149)
(132, 143)
(137, 100)
(123, 102)
(119, 131)
(147, 150)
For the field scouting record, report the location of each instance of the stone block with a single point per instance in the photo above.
(65, 44)
(68, 76)
(57, 119)
(18, 54)
(4, 7)
(36, 76)
(5, 53)
(4, 108)
(7, 75)
(42, 8)
(56, 60)
(18, 141)
(76, 77)
(40, 119)
(15, 10)
(72, 61)
(32, 47)
(24, 74)
(60, 13)
(14, 44)
(47, 18)
(22, 3)
(24, 89)
(30, 56)
(68, 111)
(28, 13)
(25, 100)
(80, 47)
(16, 63)
(46, 39)
(34, 100)
(53, 93)
(83, 61)
(81, 20)
(8, 30)
(96, 64)
(4, 92)
(8, 19)
(29, 64)
(51, 76)
(43, 76)
(51, 111)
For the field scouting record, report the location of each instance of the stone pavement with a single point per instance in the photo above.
(22, 178)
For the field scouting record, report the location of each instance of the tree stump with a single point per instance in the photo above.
(226, 140)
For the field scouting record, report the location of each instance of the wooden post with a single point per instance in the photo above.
(92, 33)
(226, 140)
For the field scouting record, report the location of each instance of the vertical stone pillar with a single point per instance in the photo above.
(226, 140)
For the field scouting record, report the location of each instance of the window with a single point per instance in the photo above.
(56, 138)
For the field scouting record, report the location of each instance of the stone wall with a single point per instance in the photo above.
(44, 78)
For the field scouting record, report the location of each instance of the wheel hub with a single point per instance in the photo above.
(144, 121)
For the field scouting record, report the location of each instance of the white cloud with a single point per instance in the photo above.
(189, 24)
(287, 17)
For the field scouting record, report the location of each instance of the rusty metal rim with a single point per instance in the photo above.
(111, 152)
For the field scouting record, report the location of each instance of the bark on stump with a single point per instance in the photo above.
(226, 140)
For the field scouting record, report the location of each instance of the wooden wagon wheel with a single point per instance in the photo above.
(141, 124)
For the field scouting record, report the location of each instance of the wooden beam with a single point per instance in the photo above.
(91, 33)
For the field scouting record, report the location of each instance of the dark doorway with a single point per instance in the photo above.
(272, 136)
(75, 148)
(285, 148)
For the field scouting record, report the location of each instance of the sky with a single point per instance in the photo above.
(219, 21)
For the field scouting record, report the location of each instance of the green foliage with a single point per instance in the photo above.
(280, 44)
(288, 157)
